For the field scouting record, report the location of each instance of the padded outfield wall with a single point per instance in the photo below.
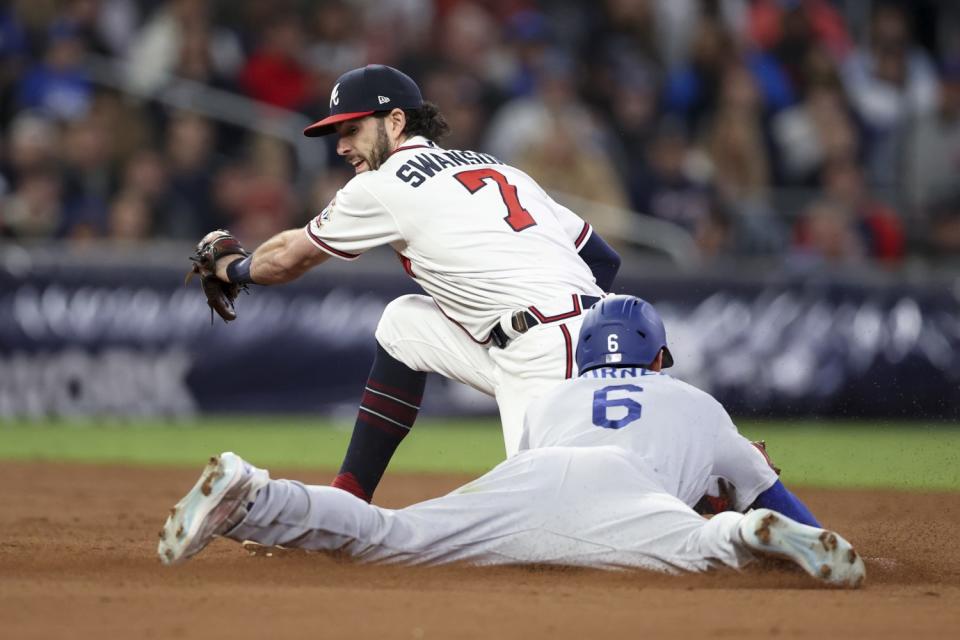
(105, 335)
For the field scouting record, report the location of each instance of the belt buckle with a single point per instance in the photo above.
(519, 321)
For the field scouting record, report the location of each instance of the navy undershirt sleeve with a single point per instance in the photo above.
(603, 261)
(779, 498)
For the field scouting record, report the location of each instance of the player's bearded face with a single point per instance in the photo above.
(381, 148)
(368, 144)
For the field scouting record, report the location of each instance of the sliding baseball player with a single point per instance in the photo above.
(610, 468)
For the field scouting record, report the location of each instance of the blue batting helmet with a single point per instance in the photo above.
(621, 331)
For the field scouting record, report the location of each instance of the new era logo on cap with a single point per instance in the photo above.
(364, 91)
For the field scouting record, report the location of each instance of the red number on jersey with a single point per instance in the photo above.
(517, 217)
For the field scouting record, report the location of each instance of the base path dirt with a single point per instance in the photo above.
(77, 560)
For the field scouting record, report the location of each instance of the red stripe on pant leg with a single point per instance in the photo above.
(380, 423)
(400, 394)
(389, 407)
(568, 344)
(349, 483)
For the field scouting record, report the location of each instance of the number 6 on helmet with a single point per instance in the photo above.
(622, 331)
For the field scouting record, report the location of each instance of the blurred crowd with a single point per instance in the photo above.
(819, 131)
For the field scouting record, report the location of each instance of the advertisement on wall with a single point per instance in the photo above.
(136, 342)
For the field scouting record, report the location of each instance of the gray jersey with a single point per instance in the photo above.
(679, 433)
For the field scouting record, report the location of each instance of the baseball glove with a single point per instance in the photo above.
(220, 294)
(711, 505)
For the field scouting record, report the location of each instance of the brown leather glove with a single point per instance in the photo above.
(710, 505)
(220, 294)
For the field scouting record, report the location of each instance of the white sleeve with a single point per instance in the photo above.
(741, 463)
(576, 228)
(354, 222)
(573, 226)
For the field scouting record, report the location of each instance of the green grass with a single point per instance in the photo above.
(923, 456)
(468, 446)
(826, 454)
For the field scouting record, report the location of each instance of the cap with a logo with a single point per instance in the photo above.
(364, 91)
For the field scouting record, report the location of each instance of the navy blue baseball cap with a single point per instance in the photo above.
(365, 91)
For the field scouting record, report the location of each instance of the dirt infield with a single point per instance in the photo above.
(77, 547)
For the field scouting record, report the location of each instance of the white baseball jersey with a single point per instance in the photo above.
(680, 433)
(481, 237)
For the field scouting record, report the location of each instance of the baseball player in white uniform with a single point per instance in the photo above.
(617, 459)
(507, 270)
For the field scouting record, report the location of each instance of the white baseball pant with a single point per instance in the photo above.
(586, 507)
(414, 331)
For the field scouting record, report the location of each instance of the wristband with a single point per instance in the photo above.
(238, 271)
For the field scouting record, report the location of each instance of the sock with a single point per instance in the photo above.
(388, 410)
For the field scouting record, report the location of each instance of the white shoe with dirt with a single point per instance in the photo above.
(823, 554)
(215, 504)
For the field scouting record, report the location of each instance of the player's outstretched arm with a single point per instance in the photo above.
(283, 258)
(779, 498)
(603, 261)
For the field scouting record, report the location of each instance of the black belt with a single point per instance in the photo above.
(522, 321)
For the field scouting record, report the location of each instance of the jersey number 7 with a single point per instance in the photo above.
(475, 179)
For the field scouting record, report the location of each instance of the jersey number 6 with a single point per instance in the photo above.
(475, 179)
(602, 403)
